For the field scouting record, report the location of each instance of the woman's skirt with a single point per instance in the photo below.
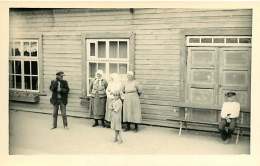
(132, 108)
(98, 107)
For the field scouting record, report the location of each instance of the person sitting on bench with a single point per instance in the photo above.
(229, 114)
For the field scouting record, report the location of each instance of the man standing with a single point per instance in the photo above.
(59, 98)
(229, 114)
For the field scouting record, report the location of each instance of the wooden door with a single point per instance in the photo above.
(211, 72)
(235, 76)
(202, 80)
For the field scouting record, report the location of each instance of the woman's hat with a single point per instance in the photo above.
(100, 72)
(230, 94)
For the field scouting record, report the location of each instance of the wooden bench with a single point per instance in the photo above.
(189, 107)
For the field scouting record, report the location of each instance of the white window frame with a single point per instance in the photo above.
(106, 60)
(23, 58)
(188, 43)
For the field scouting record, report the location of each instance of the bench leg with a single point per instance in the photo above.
(238, 133)
(180, 128)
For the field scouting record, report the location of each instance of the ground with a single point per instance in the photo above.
(30, 134)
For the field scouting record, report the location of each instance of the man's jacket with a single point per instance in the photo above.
(64, 91)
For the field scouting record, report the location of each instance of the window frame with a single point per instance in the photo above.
(128, 36)
(31, 38)
(106, 60)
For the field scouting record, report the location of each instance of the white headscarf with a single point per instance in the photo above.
(113, 85)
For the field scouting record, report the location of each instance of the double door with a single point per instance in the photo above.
(212, 71)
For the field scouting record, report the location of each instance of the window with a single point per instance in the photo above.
(218, 41)
(109, 55)
(24, 65)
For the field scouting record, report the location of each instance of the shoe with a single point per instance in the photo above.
(227, 141)
(115, 140)
(94, 125)
(136, 130)
(120, 141)
(126, 129)
(53, 128)
(66, 127)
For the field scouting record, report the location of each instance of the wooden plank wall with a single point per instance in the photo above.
(157, 50)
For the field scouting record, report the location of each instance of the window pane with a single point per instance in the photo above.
(244, 40)
(27, 82)
(34, 49)
(101, 49)
(17, 49)
(231, 40)
(102, 66)
(218, 40)
(34, 83)
(27, 67)
(113, 49)
(34, 67)
(123, 49)
(92, 49)
(11, 67)
(18, 82)
(112, 68)
(11, 81)
(92, 70)
(194, 40)
(26, 49)
(206, 40)
(122, 68)
(17, 67)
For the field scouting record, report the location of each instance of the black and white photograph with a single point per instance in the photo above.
(102, 83)
(129, 80)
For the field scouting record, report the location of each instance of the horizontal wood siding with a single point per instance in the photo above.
(157, 49)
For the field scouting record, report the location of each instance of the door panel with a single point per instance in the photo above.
(235, 58)
(234, 74)
(235, 78)
(201, 57)
(202, 75)
(202, 96)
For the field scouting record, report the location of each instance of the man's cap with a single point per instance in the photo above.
(60, 73)
(229, 94)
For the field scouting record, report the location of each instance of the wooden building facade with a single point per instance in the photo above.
(178, 55)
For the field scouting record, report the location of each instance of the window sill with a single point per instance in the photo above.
(24, 96)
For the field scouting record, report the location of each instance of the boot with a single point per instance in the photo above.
(127, 126)
(54, 123)
(108, 124)
(96, 123)
(136, 127)
(65, 122)
(103, 123)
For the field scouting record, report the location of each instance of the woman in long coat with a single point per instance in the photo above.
(98, 98)
(132, 106)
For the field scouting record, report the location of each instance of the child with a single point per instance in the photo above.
(229, 114)
(116, 117)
